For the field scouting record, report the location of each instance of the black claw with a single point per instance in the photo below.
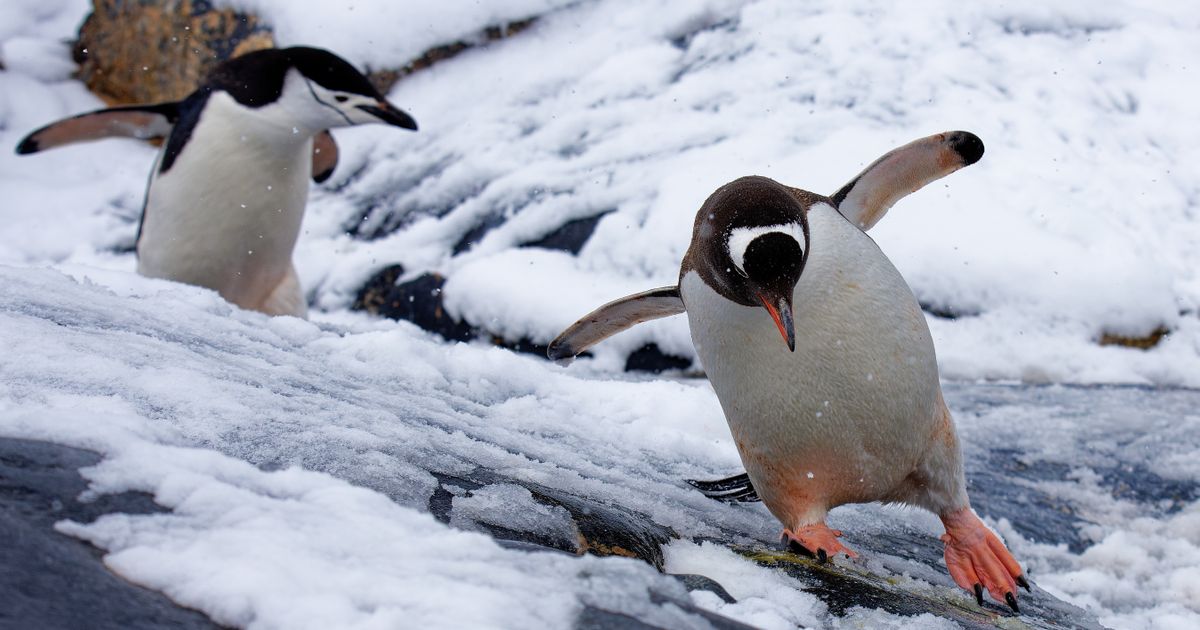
(1023, 583)
(796, 548)
(979, 594)
(822, 557)
(1012, 602)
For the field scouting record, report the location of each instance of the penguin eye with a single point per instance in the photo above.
(341, 98)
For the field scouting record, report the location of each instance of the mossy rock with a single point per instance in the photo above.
(147, 51)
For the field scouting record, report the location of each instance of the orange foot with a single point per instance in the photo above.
(815, 541)
(978, 560)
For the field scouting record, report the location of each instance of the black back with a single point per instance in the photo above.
(256, 79)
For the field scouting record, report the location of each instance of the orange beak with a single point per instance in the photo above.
(781, 312)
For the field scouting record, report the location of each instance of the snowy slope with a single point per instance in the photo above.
(300, 461)
(295, 456)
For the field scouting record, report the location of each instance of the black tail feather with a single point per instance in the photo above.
(735, 489)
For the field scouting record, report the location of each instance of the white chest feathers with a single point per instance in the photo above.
(227, 214)
(859, 394)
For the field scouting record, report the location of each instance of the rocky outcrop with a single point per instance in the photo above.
(146, 51)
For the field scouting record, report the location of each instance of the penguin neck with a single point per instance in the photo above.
(267, 128)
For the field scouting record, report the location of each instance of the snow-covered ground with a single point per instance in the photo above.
(278, 443)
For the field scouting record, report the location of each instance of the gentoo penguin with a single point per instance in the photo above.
(847, 406)
(229, 187)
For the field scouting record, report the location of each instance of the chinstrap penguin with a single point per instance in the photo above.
(228, 190)
(847, 406)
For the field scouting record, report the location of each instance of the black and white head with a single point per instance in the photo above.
(750, 243)
(307, 88)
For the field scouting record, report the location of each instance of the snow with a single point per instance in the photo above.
(218, 413)
(378, 33)
(295, 457)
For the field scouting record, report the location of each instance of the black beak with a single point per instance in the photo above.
(388, 113)
(781, 311)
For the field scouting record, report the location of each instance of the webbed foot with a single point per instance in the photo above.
(816, 541)
(977, 560)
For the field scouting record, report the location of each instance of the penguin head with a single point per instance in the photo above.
(307, 88)
(770, 259)
(750, 244)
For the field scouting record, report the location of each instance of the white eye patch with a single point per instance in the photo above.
(740, 239)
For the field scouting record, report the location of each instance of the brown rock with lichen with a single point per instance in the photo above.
(146, 51)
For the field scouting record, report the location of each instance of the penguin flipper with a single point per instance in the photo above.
(867, 197)
(614, 317)
(325, 156)
(143, 122)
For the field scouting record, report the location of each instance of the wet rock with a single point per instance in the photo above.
(570, 237)
(701, 583)
(38, 484)
(649, 358)
(476, 234)
(50, 580)
(421, 302)
(145, 51)
(594, 618)
(599, 529)
(418, 300)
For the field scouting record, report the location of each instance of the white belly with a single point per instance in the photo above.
(849, 414)
(227, 213)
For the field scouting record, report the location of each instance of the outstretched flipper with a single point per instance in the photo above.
(614, 317)
(143, 122)
(735, 489)
(325, 156)
(901, 171)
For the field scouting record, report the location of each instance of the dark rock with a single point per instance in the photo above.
(51, 580)
(700, 583)
(570, 237)
(592, 618)
(418, 300)
(946, 311)
(1143, 342)
(147, 51)
(649, 358)
(476, 234)
(602, 530)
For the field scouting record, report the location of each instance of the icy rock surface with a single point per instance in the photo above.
(322, 474)
(50, 581)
